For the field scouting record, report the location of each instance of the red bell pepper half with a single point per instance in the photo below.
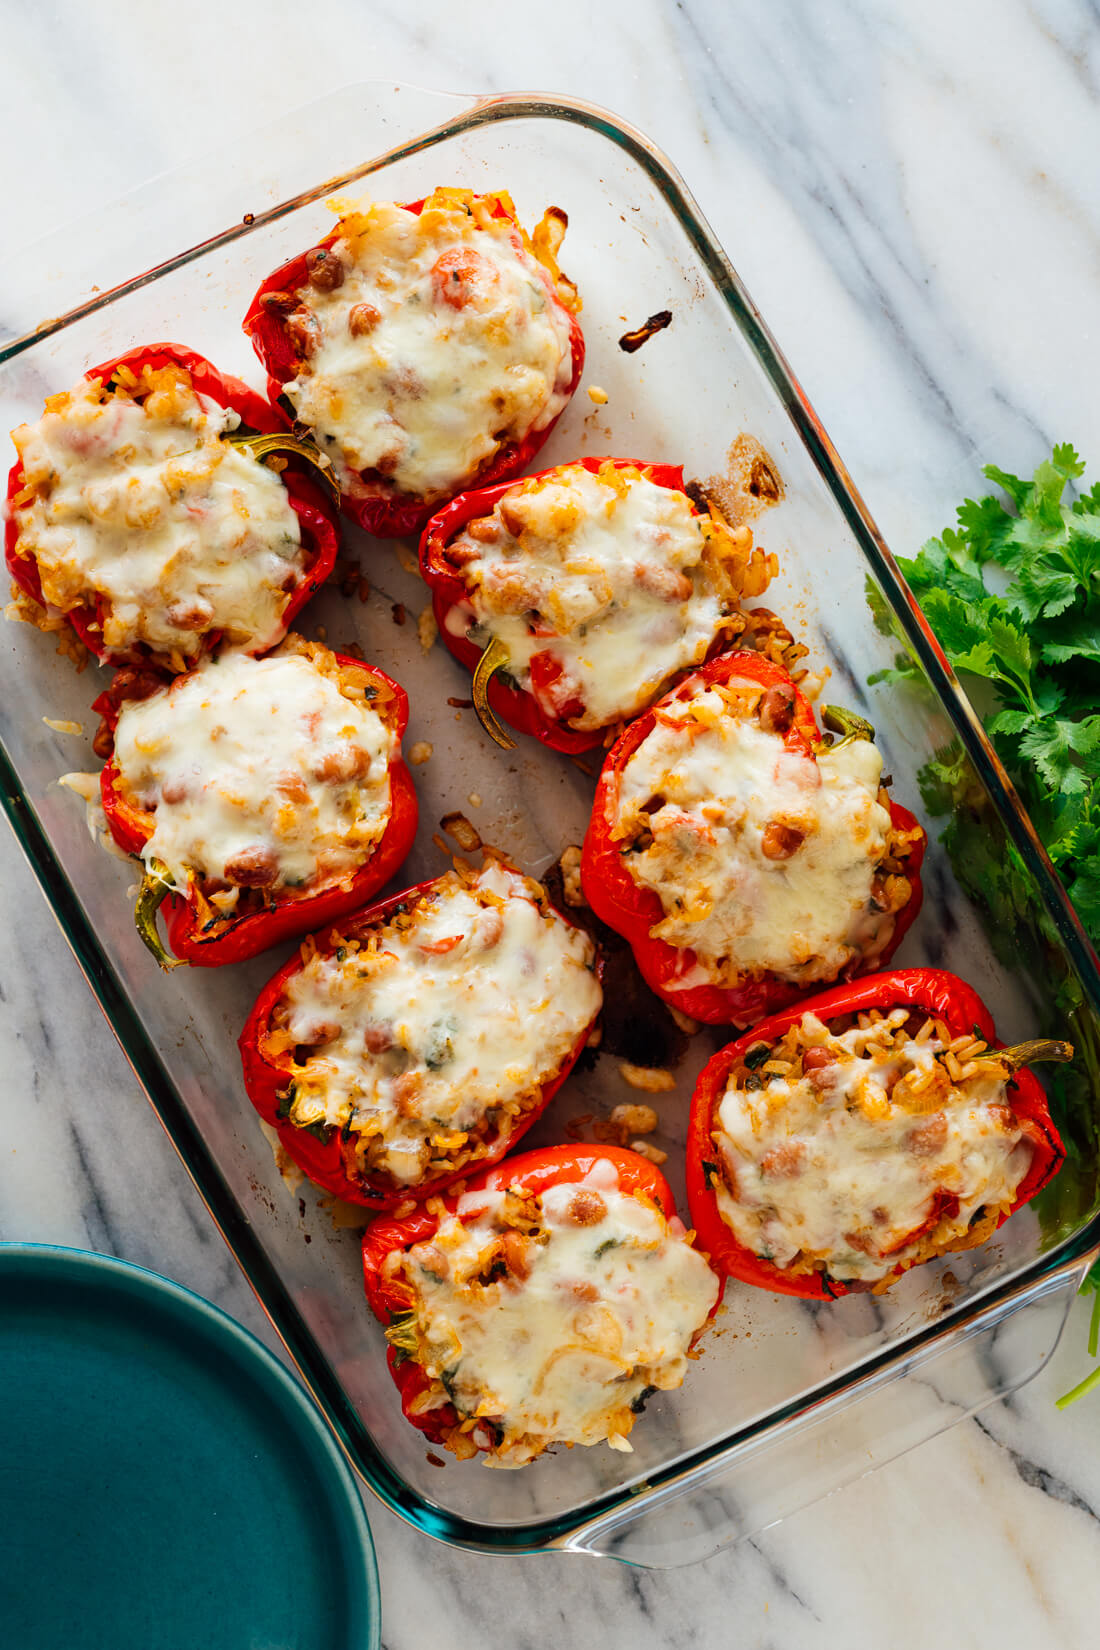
(197, 934)
(931, 991)
(316, 517)
(383, 511)
(532, 1172)
(327, 1156)
(633, 910)
(529, 710)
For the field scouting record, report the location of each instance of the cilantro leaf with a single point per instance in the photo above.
(1016, 489)
(1013, 594)
(1052, 744)
(1066, 460)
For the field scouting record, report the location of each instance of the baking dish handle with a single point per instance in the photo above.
(832, 1443)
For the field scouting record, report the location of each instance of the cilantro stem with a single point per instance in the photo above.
(1081, 1390)
(1094, 1325)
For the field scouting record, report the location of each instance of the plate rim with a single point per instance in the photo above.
(293, 1400)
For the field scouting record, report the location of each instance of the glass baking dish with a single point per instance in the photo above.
(790, 1399)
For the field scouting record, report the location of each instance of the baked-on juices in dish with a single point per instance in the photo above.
(745, 859)
(161, 506)
(576, 596)
(418, 1040)
(543, 1305)
(427, 348)
(264, 796)
(866, 1130)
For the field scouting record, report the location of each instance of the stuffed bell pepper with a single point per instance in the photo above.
(543, 1306)
(864, 1131)
(426, 348)
(745, 859)
(161, 506)
(419, 1039)
(577, 595)
(264, 796)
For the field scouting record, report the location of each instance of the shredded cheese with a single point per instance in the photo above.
(430, 1041)
(846, 1165)
(262, 773)
(140, 508)
(711, 789)
(439, 342)
(602, 587)
(549, 1320)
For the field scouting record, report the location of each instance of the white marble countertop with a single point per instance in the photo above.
(910, 194)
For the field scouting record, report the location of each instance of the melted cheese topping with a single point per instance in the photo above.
(846, 1167)
(442, 1031)
(143, 507)
(610, 579)
(442, 342)
(610, 1298)
(721, 781)
(258, 772)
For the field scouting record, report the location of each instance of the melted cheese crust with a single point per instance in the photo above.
(258, 772)
(845, 1169)
(442, 342)
(610, 578)
(611, 1297)
(441, 1031)
(721, 781)
(143, 507)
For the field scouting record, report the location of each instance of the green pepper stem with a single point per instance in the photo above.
(279, 442)
(847, 723)
(402, 1332)
(1028, 1054)
(494, 658)
(154, 890)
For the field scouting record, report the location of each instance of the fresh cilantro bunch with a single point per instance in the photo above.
(1013, 595)
(1014, 599)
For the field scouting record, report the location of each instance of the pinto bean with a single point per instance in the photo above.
(488, 928)
(302, 330)
(338, 766)
(816, 1063)
(363, 318)
(326, 272)
(189, 615)
(929, 1137)
(279, 303)
(254, 867)
(777, 708)
(405, 1090)
(665, 583)
(780, 841)
(783, 1162)
(293, 787)
(318, 1032)
(483, 530)
(377, 1039)
(513, 518)
(586, 1208)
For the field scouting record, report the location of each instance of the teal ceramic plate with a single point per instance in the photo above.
(164, 1483)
